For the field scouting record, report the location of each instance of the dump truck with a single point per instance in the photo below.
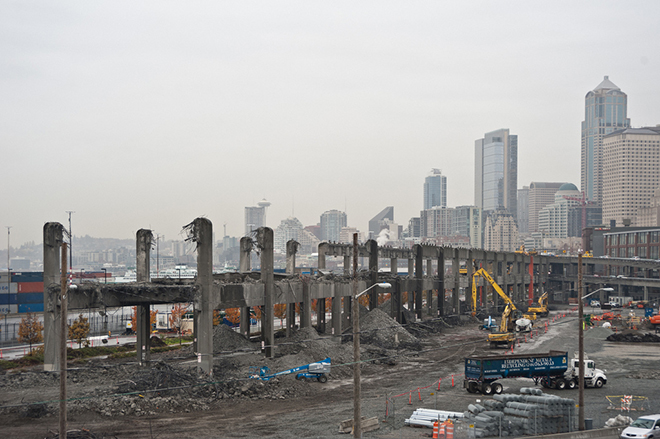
(551, 370)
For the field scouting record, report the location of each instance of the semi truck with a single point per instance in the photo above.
(552, 370)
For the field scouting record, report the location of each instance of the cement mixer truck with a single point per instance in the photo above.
(551, 370)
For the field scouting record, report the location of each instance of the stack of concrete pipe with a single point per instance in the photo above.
(529, 413)
(426, 417)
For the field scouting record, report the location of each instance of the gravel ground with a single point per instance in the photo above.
(236, 406)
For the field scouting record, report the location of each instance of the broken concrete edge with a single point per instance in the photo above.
(368, 424)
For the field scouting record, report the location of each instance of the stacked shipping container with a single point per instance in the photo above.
(21, 292)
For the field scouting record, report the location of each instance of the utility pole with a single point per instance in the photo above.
(70, 244)
(63, 334)
(8, 284)
(357, 412)
(580, 347)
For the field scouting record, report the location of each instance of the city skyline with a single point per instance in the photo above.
(146, 120)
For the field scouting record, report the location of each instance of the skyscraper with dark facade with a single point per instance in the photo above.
(605, 111)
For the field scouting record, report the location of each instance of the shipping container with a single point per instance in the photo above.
(13, 288)
(11, 299)
(30, 287)
(30, 307)
(30, 298)
(13, 309)
(27, 276)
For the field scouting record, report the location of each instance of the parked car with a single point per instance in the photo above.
(614, 305)
(595, 303)
(647, 426)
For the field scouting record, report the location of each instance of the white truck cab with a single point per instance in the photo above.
(592, 377)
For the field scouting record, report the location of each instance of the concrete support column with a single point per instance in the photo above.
(265, 239)
(142, 320)
(441, 283)
(291, 250)
(245, 266)
(429, 293)
(245, 263)
(419, 274)
(411, 294)
(306, 306)
(372, 248)
(202, 234)
(394, 266)
(245, 321)
(52, 233)
(395, 301)
(347, 265)
(323, 248)
(320, 315)
(336, 314)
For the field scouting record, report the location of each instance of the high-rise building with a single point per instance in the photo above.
(501, 232)
(553, 218)
(346, 235)
(593, 217)
(496, 172)
(331, 223)
(540, 195)
(435, 189)
(288, 229)
(378, 222)
(631, 172)
(466, 221)
(650, 216)
(436, 222)
(255, 216)
(523, 210)
(605, 111)
(414, 226)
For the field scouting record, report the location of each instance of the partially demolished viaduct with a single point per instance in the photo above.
(247, 289)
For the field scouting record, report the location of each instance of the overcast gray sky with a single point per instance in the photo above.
(149, 114)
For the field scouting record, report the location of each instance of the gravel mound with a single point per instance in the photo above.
(598, 332)
(634, 337)
(226, 339)
(379, 329)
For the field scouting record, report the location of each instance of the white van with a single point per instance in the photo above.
(644, 427)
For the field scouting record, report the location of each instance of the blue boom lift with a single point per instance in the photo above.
(316, 371)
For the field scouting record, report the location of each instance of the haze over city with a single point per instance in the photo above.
(148, 115)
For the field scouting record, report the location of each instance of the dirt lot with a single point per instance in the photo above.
(114, 398)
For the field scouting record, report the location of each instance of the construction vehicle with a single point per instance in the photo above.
(542, 308)
(315, 371)
(551, 370)
(506, 333)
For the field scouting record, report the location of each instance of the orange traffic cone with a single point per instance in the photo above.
(435, 430)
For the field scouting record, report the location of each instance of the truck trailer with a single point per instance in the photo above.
(551, 370)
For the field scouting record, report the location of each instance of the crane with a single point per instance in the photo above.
(506, 333)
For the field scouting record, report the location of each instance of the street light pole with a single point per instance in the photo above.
(581, 341)
(580, 348)
(355, 308)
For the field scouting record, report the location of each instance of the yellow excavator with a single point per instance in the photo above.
(542, 308)
(506, 331)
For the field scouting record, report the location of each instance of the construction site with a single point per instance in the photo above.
(296, 378)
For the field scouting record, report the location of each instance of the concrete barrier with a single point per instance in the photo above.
(601, 433)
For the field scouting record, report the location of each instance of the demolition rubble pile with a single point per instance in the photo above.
(121, 388)
(530, 413)
(631, 336)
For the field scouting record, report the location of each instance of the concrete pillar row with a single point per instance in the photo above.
(52, 235)
(440, 307)
(372, 248)
(455, 268)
